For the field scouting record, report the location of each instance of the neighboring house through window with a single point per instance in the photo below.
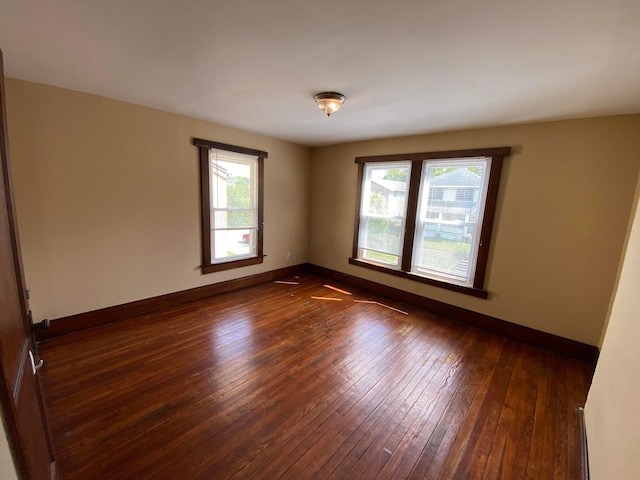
(231, 180)
(428, 216)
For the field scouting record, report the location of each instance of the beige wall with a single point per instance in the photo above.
(7, 470)
(563, 207)
(107, 197)
(108, 207)
(613, 423)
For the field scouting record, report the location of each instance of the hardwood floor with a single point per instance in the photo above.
(268, 383)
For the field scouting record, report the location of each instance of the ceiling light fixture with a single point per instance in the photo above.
(329, 102)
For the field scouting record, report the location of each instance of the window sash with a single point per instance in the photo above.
(232, 242)
(445, 248)
(383, 210)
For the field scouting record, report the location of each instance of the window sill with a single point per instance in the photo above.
(244, 262)
(474, 292)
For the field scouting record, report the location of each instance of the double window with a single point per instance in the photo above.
(428, 216)
(231, 180)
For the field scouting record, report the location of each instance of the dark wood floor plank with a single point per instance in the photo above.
(233, 424)
(549, 426)
(360, 440)
(448, 434)
(376, 446)
(474, 458)
(385, 442)
(268, 383)
(317, 435)
(300, 414)
(365, 374)
(466, 415)
(341, 437)
(442, 413)
(502, 458)
(493, 439)
(324, 410)
(560, 444)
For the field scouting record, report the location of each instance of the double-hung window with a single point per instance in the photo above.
(428, 216)
(231, 180)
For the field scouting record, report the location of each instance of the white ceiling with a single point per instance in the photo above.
(405, 66)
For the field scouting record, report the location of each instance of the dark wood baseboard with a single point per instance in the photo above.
(106, 315)
(81, 321)
(565, 346)
(582, 452)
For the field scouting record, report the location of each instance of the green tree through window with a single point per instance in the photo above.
(238, 196)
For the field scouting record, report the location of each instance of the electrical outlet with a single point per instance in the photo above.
(289, 257)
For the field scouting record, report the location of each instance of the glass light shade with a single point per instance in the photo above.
(329, 102)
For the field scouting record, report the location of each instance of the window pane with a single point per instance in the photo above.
(235, 219)
(382, 212)
(451, 207)
(231, 183)
(234, 204)
(382, 240)
(232, 243)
